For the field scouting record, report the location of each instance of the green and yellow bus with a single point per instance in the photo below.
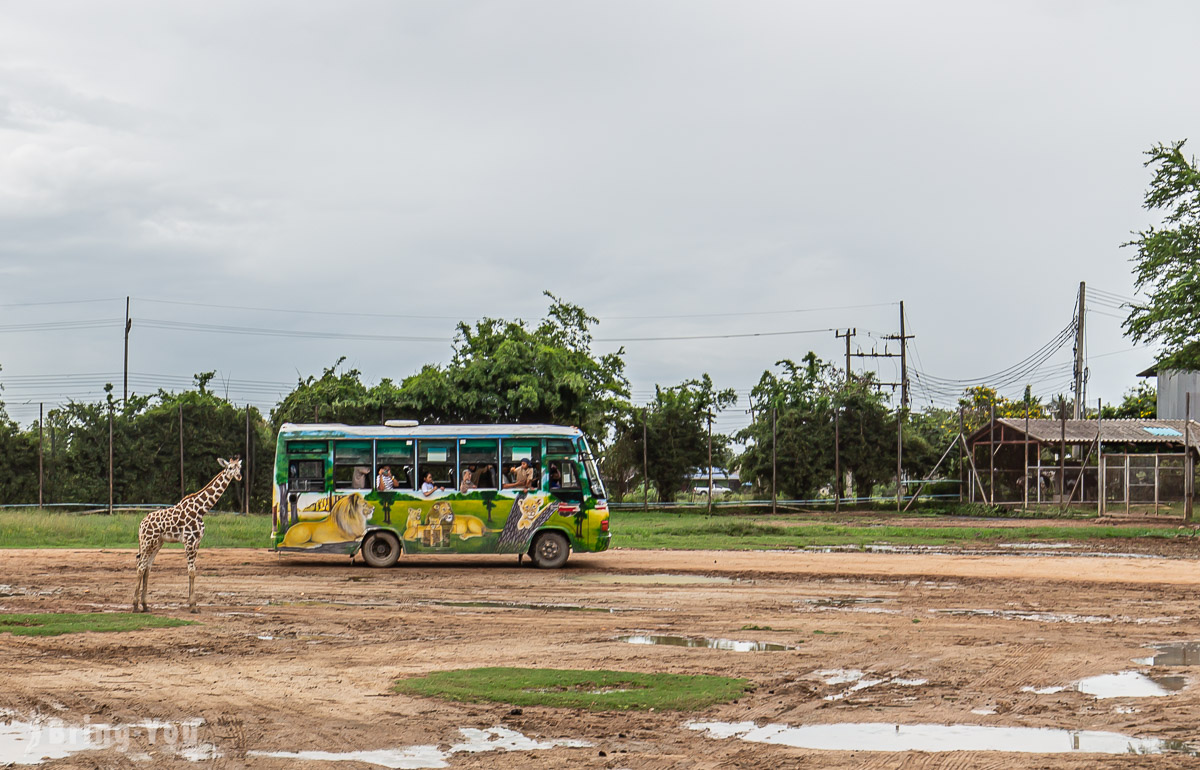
(404, 488)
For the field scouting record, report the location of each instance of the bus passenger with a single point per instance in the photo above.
(468, 480)
(386, 482)
(427, 486)
(555, 476)
(522, 476)
(487, 477)
(360, 476)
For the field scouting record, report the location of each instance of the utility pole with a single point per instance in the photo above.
(837, 462)
(710, 483)
(246, 466)
(903, 338)
(645, 463)
(899, 456)
(1080, 370)
(110, 459)
(128, 326)
(774, 440)
(182, 493)
(849, 333)
(41, 477)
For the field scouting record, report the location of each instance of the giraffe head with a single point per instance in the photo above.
(233, 468)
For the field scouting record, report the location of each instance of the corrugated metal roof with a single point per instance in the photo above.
(334, 429)
(1170, 432)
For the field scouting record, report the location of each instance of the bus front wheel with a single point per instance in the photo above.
(381, 549)
(550, 550)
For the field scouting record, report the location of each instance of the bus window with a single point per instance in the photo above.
(307, 447)
(560, 446)
(396, 455)
(306, 475)
(513, 451)
(439, 458)
(352, 465)
(563, 476)
(482, 458)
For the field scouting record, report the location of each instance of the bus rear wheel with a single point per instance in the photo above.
(381, 549)
(550, 550)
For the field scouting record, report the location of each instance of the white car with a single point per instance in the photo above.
(716, 490)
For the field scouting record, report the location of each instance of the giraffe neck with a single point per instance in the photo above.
(206, 498)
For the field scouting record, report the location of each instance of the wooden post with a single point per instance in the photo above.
(899, 456)
(182, 493)
(962, 466)
(992, 454)
(246, 467)
(41, 442)
(710, 483)
(774, 441)
(1062, 459)
(837, 462)
(1025, 471)
(1099, 460)
(645, 463)
(1188, 467)
(110, 460)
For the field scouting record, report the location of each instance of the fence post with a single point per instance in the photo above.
(992, 454)
(41, 442)
(1099, 460)
(110, 460)
(1025, 471)
(246, 467)
(645, 464)
(774, 440)
(182, 492)
(837, 462)
(962, 466)
(1188, 467)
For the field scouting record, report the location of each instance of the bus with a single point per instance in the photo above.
(404, 488)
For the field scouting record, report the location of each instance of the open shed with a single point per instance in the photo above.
(1117, 465)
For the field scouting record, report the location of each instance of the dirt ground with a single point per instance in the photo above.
(299, 655)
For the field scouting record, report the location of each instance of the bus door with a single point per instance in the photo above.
(310, 475)
(565, 484)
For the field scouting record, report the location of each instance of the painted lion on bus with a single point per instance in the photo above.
(346, 521)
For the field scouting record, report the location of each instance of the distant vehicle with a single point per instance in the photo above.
(716, 490)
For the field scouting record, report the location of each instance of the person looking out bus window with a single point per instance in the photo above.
(386, 482)
(358, 479)
(522, 476)
(555, 476)
(487, 477)
(468, 480)
(428, 487)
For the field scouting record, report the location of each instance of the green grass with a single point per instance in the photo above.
(701, 532)
(31, 528)
(55, 623)
(595, 690)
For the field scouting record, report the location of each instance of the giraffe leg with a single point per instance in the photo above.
(145, 563)
(192, 546)
(141, 576)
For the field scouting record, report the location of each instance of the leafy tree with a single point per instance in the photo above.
(976, 404)
(1167, 264)
(1140, 401)
(332, 397)
(806, 399)
(18, 461)
(506, 372)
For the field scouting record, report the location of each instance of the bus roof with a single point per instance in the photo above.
(334, 430)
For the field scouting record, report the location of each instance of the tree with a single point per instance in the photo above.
(805, 399)
(1140, 402)
(505, 372)
(1167, 263)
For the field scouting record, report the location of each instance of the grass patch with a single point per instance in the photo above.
(56, 623)
(33, 528)
(634, 529)
(595, 690)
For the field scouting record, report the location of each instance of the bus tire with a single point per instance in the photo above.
(381, 549)
(550, 550)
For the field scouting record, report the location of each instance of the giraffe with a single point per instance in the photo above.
(181, 523)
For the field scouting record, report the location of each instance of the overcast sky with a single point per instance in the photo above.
(722, 166)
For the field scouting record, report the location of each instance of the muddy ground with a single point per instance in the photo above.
(299, 655)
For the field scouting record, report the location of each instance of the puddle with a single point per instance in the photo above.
(1041, 617)
(521, 606)
(1124, 684)
(1131, 684)
(1173, 654)
(34, 742)
(869, 736)
(669, 580)
(733, 645)
(475, 741)
(860, 681)
(842, 601)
